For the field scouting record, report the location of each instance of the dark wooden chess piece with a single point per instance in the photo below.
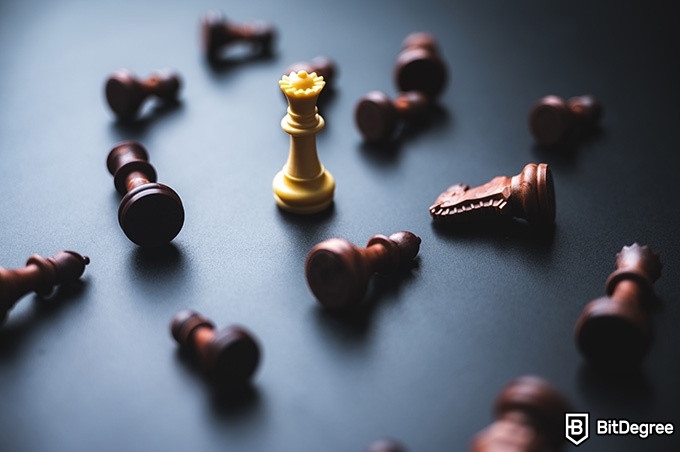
(125, 93)
(420, 67)
(322, 66)
(377, 116)
(529, 195)
(552, 120)
(530, 418)
(385, 445)
(229, 356)
(40, 275)
(217, 34)
(150, 214)
(338, 272)
(614, 333)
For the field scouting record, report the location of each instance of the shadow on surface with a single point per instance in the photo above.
(631, 392)
(151, 113)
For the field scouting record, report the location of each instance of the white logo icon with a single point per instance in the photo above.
(576, 427)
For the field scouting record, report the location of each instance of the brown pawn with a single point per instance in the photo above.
(217, 33)
(530, 418)
(125, 93)
(552, 119)
(385, 445)
(150, 214)
(322, 66)
(419, 66)
(229, 356)
(377, 116)
(529, 195)
(338, 272)
(614, 333)
(40, 275)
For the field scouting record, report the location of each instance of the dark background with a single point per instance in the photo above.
(95, 368)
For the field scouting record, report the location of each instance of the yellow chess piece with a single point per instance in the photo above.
(303, 185)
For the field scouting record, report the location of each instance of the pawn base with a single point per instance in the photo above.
(303, 196)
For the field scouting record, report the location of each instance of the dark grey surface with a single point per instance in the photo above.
(95, 367)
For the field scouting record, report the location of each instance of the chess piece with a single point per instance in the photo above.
(614, 333)
(40, 275)
(217, 33)
(126, 94)
(385, 445)
(529, 195)
(338, 272)
(530, 418)
(419, 66)
(552, 119)
(321, 66)
(377, 116)
(150, 214)
(303, 185)
(229, 356)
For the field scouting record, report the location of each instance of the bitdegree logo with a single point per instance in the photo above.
(624, 427)
(576, 427)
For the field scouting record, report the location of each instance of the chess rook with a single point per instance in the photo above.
(419, 66)
(40, 275)
(338, 272)
(150, 214)
(614, 333)
(125, 93)
(217, 34)
(530, 418)
(321, 66)
(229, 356)
(377, 116)
(552, 119)
(529, 195)
(303, 185)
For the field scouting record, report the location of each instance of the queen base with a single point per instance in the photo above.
(303, 196)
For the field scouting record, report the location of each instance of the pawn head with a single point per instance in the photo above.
(334, 274)
(376, 117)
(549, 120)
(419, 68)
(124, 94)
(151, 214)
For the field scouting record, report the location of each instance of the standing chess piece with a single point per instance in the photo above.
(321, 66)
(530, 418)
(419, 66)
(303, 185)
(229, 356)
(217, 34)
(377, 116)
(552, 120)
(614, 333)
(529, 195)
(338, 272)
(125, 93)
(150, 214)
(40, 275)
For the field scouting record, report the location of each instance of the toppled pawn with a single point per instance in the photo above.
(150, 214)
(40, 275)
(377, 116)
(338, 272)
(229, 357)
(530, 418)
(218, 34)
(552, 120)
(614, 333)
(125, 93)
(385, 445)
(419, 66)
(322, 66)
(529, 195)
